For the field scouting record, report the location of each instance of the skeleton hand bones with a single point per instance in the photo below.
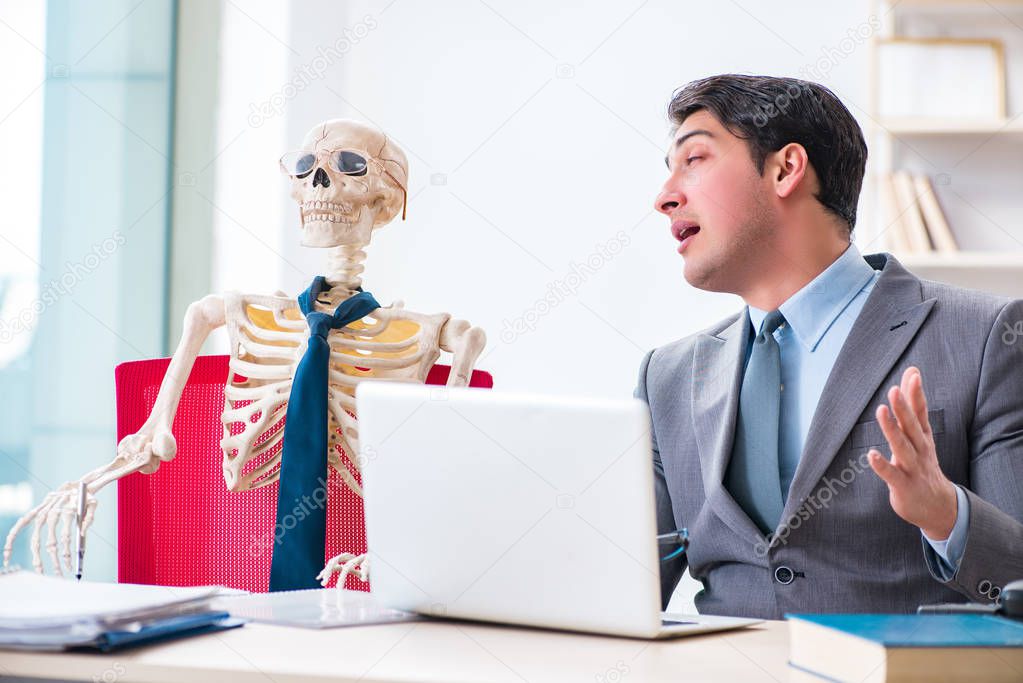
(57, 512)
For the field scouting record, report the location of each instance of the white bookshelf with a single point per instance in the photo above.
(997, 268)
(965, 260)
(922, 126)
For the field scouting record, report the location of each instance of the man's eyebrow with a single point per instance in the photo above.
(682, 138)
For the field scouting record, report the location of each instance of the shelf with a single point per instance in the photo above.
(964, 260)
(957, 4)
(937, 126)
(994, 272)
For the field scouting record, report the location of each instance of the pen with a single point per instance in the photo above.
(80, 519)
(677, 536)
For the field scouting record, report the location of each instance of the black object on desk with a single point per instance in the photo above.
(1009, 604)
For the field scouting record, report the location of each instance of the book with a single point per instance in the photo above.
(909, 208)
(906, 648)
(894, 230)
(934, 217)
(53, 613)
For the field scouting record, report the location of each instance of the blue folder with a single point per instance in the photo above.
(165, 629)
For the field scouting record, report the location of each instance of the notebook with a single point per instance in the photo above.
(876, 648)
(48, 612)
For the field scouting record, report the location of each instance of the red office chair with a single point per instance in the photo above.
(180, 526)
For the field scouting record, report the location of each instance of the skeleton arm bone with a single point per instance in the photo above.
(153, 443)
(465, 343)
(142, 451)
(201, 318)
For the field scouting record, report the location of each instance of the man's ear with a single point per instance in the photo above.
(787, 169)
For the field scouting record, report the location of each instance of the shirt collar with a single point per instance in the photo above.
(813, 309)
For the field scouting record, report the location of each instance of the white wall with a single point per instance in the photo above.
(542, 130)
(536, 136)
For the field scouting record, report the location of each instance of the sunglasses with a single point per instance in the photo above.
(301, 163)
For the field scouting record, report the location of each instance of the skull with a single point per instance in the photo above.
(349, 179)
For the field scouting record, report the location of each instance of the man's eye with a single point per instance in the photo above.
(690, 160)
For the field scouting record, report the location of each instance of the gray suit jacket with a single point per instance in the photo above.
(840, 547)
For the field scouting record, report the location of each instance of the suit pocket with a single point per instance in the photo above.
(866, 434)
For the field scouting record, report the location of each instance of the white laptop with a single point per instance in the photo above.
(515, 508)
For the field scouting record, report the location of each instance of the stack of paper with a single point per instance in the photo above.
(45, 612)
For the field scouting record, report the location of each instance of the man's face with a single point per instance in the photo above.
(718, 204)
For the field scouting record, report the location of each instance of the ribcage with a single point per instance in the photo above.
(268, 337)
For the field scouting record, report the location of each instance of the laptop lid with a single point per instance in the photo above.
(515, 508)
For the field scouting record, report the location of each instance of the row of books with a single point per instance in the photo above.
(914, 220)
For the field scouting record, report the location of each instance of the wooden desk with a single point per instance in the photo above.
(424, 652)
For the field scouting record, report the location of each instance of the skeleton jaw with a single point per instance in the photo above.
(330, 224)
(331, 212)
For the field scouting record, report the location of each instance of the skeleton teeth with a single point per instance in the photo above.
(311, 213)
(344, 207)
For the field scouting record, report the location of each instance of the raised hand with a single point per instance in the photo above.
(918, 490)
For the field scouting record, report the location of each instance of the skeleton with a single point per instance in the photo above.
(268, 334)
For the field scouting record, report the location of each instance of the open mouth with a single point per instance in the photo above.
(328, 212)
(684, 231)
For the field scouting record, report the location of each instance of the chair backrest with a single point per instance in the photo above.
(180, 526)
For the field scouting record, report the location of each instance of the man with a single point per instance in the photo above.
(794, 439)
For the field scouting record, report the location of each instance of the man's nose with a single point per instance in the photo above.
(668, 200)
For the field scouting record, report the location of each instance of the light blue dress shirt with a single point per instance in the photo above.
(818, 319)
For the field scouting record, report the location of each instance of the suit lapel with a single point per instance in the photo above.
(717, 378)
(890, 319)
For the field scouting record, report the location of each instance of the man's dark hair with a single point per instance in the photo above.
(770, 112)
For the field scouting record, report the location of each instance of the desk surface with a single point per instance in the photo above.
(421, 651)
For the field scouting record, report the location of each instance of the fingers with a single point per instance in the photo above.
(25, 520)
(67, 516)
(327, 572)
(913, 388)
(908, 422)
(34, 542)
(907, 376)
(346, 563)
(90, 512)
(902, 449)
(55, 514)
(52, 518)
(891, 474)
(348, 567)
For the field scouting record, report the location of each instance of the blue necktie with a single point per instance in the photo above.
(301, 530)
(753, 476)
